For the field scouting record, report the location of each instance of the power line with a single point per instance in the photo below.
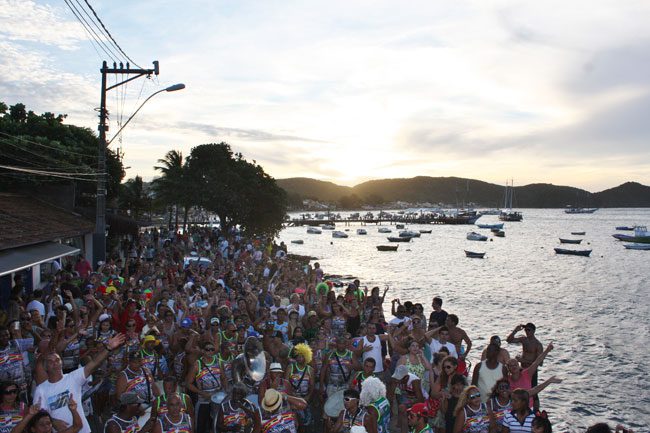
(109, 35)
(91, 32)
(48, 173)
(43, 157)
(70, 152)
(95, 25)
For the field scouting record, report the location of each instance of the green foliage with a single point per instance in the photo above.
(351, 201)
(220, 181)
(133, 197)
(43, 142)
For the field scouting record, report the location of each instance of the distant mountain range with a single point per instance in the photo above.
(453, 190)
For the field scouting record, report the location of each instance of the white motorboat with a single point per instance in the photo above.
(362, 232)
(384, 230)
(339, 234)
(473, 236)
(314, 231)
(327, 227)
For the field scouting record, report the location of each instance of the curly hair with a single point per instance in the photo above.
(304, 350)
(372, 389)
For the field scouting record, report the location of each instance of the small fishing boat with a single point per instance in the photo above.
(387, 247)
(578, 233)
(425, 232)
(339, 234)
(314, 231)
(384, 230)
(570, 241)
(490, 226)
(637, 246)
(409, 234)
(328, 227)
(641, 235)
(584, 253)
(398, 239)
(362, 232)
(473, 255)
(298, 241)
(473, 236)
(625, 228)
(500, 234)
(399, 226)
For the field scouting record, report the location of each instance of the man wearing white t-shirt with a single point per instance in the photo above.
(436, 344)
(54, 394)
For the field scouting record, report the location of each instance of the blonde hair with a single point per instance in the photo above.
(464, 398)
(304, 350)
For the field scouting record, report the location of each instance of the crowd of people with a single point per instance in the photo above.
(213, 332)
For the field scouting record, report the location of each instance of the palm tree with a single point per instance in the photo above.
(170, 186)
(133, 196)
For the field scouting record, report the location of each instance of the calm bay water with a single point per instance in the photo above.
(596, 310)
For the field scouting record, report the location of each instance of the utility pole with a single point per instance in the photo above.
(99, 236)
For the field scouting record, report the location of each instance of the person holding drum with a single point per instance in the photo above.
(352, 415)
(237, 414)
(205, 378)
(138, 380)
(278, 413)
(301, 377)
(175, 420)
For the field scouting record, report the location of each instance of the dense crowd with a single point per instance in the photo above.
(208, 331)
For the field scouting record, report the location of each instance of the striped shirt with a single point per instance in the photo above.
(510, 420)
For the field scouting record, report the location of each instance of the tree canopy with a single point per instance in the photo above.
(44, 143)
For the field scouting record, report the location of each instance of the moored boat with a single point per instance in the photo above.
(314, 231)
(579, 210)
(398, 239)
(387, 247)
(637, 246)
(473, 255)
(339, 234)
(384, 230)
(473, 236)
(641, 235)
(399, 226)
(625, 228)
(578, 233)
(409, 234)
(362, 232)
(584, 253)
(425, 231)
(490, 226)
(298, 241)
(570, 241)
(328, 227)
(500, 234)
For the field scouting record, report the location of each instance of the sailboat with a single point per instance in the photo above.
(508, 214)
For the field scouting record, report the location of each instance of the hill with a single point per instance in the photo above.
(452, 190)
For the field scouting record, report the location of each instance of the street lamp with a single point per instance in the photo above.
(99, 235)
(175, 87)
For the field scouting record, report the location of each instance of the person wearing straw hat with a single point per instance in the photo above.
(278, 412)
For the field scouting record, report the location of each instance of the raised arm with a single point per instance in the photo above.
(533, 367)
(536, 390)
(511, 337)
(113, 343)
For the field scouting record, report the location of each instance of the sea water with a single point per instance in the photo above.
(595, 310)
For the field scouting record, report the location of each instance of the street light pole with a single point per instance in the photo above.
(99, 236)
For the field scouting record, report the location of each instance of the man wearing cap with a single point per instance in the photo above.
(138, 380)
(151, 359)
(126, 418)
(205, 378)
(418, 415)
(407, 388)
(278, 413)
(352, 415)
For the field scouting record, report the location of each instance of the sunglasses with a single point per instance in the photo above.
(11, 391)
(478, 394)
(349, 398)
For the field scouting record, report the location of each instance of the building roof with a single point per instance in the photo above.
(26, 221)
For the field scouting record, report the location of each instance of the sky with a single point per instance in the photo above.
(347, 91)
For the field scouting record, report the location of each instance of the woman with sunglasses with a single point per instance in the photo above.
(352, 415)
(441, 387)
(472, 416)
(500, 402)
(12, 410)
(520, 418)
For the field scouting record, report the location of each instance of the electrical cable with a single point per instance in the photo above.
(110, 36)
(103, 36)
(45, 158)
(107, 50)
(71, 152)
(46, 173)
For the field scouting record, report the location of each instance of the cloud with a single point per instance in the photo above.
(240, 133)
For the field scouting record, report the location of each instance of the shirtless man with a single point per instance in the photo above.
(458, 335)
(531, 349)
(503, 357)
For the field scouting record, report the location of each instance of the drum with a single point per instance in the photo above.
(334, 404)
(253, 400)
(144, 418)
(215, 402)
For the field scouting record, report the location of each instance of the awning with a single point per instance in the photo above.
(15, 259)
